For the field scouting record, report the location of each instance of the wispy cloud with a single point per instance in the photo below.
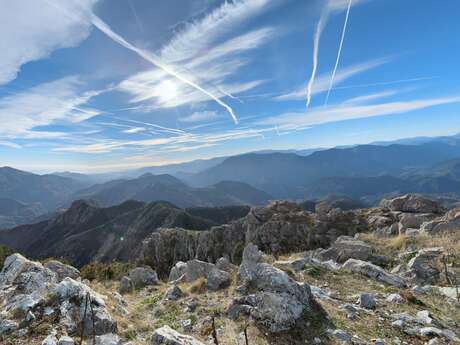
(31, 30)
(345, 111)
(186, 142)
(209, 53)
(60, 100)
(134, 130)
(322, 82)
(10, 144)
(150, 57)
(199, 116)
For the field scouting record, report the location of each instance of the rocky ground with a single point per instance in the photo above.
(387, 275)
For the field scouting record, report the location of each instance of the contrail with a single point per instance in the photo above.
(339, 52)
(319, 29)
(150, 57)
(136, 17)
(103, 27)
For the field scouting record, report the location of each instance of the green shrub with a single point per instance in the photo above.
(4, 253)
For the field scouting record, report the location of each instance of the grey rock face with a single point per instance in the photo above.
(126, 285)
(424, 265)
(276, 301)
(107, 339)
(279, 228)
(173, 293)
(167, 336)
(448, 223)
(143, 276)
(218, 279)
(64, 340)
(50, 339)
(68, 292)
(225, 265)
(177, 271)
(374, 272)
(24, 284)
(62, 271)
(413, 204)
(367, 301)
(344, 248)
(413, 220)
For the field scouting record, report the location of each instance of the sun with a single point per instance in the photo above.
(168, 90)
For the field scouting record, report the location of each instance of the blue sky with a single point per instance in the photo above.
(99, 85)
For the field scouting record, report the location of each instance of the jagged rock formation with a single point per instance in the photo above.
(281, 227)
(31, 292)
(275, 301)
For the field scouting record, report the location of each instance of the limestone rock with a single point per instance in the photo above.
(62, 270)
(276, 301)
(374, 272)
(412, 203)
(218, 279)
(167, 336)
(126, 285)
(173, 293)
(424, 265)
(344, 248)
(143, 276)
(367, 301)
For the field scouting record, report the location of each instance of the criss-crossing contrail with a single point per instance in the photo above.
(319, 29)
(104, 28)
(338, 53)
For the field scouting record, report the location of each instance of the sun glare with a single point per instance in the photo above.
(168, 90)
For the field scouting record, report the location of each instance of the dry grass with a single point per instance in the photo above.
(198, 286)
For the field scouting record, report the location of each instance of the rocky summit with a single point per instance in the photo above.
(278, 275)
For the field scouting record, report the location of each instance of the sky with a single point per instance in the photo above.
(99, 85)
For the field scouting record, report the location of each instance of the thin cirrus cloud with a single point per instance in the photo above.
(48, 103)
(204, 48)
(344, 111)
(31, 30)
(199, 116)
(322, 82)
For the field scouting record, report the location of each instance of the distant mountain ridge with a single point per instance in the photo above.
(87, 231)
(149, 188)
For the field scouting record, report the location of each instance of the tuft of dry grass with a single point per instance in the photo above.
(198, 286)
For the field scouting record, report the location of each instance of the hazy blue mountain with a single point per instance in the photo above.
(149, 187)
(48, 191)
(293, 176)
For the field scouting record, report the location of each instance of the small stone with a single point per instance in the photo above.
(30, 316)
(340, 335)
(186, 325)
(173, 293)
(8, 326)
(51, 339)
(379, 342)
(317, 340)
(424, 317)
(395, 298)
(367, 301)
(65, 340)
(107, 339)
(126, 285)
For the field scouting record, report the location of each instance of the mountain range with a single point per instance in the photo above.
(364, 172)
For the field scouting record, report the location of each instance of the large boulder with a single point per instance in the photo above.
(24, 284)
(274, 300)
(450, 222)
(413, 220)
(424, 267)
(373, 271)
(143, 276)
(167, 336)
(80, 304)
(344, 248)
(62, 270)
(412, 203)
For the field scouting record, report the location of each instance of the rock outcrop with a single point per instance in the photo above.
(269, 295)
(413, 204)
(167, 336)
(374, 272)
(31, 289)
(281, 227)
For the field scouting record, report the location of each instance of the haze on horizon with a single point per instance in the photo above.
(97, 85)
